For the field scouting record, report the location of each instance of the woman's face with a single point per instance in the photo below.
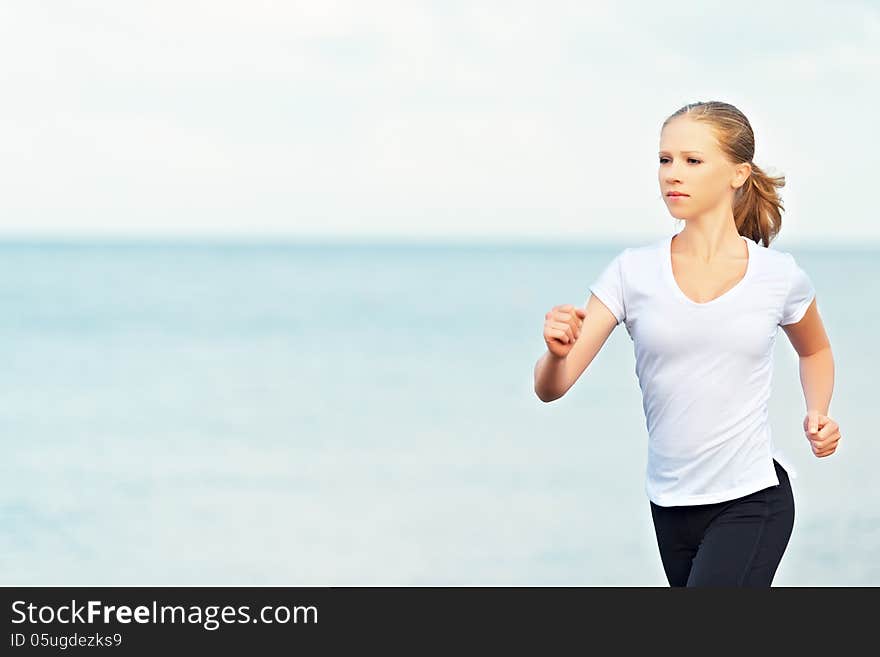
(691, 163)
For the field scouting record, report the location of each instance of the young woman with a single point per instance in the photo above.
(703, 308)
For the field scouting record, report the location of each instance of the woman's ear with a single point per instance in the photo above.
(741, 174)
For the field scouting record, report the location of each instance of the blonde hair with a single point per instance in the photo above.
(757, 207)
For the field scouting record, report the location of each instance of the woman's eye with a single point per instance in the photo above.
(690, 159)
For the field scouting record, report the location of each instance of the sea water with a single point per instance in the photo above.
(364, 414)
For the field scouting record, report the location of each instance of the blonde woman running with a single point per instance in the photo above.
(703, 308)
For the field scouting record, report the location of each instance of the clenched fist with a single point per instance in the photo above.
(822, 432)
(562, 326)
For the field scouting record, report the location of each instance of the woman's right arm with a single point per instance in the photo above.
(555, 373)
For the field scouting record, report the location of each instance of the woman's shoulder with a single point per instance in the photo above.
(774, 257)
(645, 251)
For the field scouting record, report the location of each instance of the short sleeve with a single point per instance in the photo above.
(800, 294)
(608, 287)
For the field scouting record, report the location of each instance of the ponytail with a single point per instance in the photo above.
(757, 206)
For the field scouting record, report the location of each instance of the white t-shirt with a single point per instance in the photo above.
(705, 369)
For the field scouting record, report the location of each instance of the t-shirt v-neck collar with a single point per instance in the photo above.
(666, 252)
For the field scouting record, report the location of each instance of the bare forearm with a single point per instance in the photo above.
(817, 379)
(551, 379)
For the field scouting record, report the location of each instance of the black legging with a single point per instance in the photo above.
(737, 542)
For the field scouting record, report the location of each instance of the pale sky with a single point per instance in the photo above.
(371, 118)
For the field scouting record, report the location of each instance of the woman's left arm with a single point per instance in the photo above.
(810, 341)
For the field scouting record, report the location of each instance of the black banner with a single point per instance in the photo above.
(461, 620)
